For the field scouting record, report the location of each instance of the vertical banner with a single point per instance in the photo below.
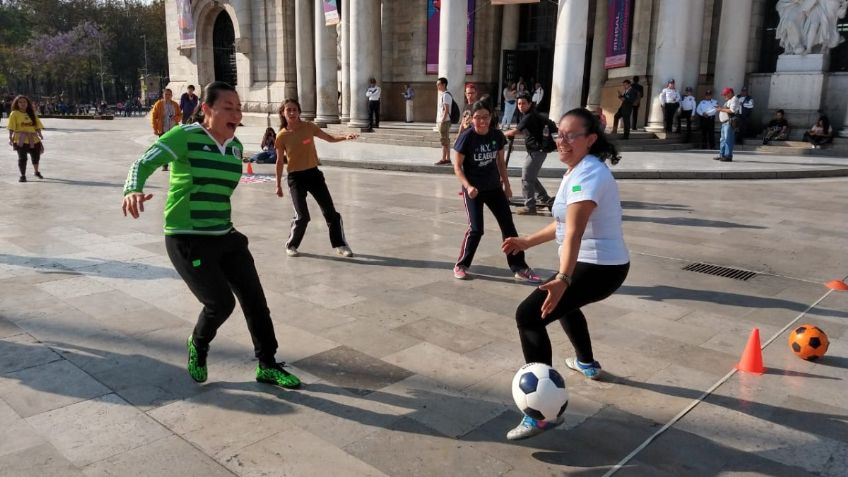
(186, 24)
(619, 33)
(433, 7)
(331, 12)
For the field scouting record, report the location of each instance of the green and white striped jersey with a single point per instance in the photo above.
(203, 177)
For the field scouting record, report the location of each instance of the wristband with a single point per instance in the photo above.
(564, 278)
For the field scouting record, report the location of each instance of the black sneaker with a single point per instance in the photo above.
(38, 174)
(22, 179)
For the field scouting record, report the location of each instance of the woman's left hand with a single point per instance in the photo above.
(513, 245)
(555, 289)
(507, 190)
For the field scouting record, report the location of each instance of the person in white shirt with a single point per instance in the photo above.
(670, 101)
(726, 114)
(408, 96)
(686, 112)
(706, 111)
(373, 94)
(593, 257)
(443, 108)
(509, 94)
(538, 94)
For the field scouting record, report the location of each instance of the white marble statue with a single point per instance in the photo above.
(805, 24)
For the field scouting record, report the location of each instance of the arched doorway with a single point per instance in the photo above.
(224, 49)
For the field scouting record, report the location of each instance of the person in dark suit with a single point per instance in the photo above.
(625, 111)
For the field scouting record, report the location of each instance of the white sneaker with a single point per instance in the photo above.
(529, 427)
(292, 252)
(344, 251)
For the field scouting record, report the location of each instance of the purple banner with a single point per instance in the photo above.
(619, 31)
(433, 7)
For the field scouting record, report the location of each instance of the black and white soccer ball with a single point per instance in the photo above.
(539, 391)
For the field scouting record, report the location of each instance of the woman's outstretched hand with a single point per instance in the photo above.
(555, 289)
(513, 245)
(134, 203)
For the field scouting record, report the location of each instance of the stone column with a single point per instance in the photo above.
(345, 60)
(732, 45)
(304, 57)
(364, 56)
(670, 54)
(694, 40)
(453, 28)
(569, 56)
(326, 77)
(597, 72)
(509, 41)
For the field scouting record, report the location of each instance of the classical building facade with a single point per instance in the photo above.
(274, 49)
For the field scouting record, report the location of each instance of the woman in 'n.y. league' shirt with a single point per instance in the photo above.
(480, 168)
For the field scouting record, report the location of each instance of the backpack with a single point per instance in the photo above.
(454, 110)
(544, 143)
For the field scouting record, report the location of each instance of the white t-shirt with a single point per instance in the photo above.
(731, 104)
(443, 114)
(603, 239)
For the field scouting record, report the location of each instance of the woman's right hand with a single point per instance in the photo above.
(471, 191)
(134, 203)
(513, 245)
(279, 191)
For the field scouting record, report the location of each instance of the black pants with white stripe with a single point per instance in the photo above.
(215, 268)
(497, 202)
(312, 181)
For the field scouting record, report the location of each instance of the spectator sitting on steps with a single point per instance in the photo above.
(820, 134)
(777, 129)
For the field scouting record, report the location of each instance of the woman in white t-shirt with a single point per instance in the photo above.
(593, 258)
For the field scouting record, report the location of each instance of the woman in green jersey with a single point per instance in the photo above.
(209, 254)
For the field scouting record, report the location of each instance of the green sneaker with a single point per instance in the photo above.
(196, 362)
(277, 375)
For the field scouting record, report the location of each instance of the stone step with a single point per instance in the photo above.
(802, 149)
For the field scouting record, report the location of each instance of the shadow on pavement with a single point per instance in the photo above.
(89, 267)
(482, 272)
(664, 292)
(633, 204)
(690, 222)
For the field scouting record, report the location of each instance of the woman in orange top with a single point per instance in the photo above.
(25, 135)
(296, 142)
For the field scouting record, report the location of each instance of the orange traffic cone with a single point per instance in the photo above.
(250, 168)
(752, 357)
(838, 285)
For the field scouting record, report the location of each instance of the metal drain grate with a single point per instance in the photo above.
(719, 271)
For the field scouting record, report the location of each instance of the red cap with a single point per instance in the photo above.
(726, 91)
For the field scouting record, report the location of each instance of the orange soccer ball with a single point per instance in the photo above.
(808, 342)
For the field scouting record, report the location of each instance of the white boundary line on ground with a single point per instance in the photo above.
(706, 393)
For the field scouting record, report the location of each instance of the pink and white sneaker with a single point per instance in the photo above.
(527, 275)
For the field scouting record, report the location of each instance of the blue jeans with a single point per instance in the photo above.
(509, 112)
(726, 143)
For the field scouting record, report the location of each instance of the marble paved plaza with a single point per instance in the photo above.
(408, 370)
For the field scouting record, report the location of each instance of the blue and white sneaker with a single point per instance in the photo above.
(529, 427)
(590, 370)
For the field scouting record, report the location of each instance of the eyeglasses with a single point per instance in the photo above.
(569, 137)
